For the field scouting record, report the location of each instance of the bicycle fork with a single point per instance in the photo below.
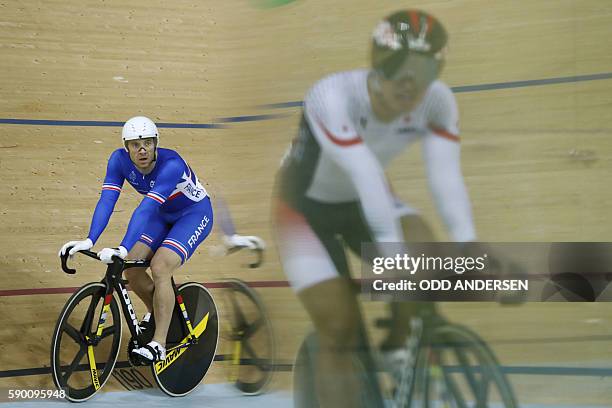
(424, 365)
(406, 387)
(91, 342)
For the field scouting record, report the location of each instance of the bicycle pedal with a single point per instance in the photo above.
(136, 360)
(142, 361)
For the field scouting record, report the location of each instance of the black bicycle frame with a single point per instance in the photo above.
(113, 280)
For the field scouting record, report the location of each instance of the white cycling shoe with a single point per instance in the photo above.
(151, 352)
(395, 361)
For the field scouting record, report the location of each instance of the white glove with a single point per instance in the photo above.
(106, 254)
(76, 246)
(243, 241)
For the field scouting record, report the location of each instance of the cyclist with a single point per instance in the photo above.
(173, 219)
(332, 187)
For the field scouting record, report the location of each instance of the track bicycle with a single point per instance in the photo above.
(449, 366)
(90, 326)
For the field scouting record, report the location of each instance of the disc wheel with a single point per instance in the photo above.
(185, 367)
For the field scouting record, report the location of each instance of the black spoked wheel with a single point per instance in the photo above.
(185, 367)
(461, 371)
(78, 368)
(249, 337)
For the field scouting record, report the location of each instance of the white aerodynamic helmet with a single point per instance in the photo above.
(139, 127)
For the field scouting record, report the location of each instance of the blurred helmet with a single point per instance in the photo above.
(139, 127)
(409, 41)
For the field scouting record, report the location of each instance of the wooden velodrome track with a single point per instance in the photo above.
(536, 156)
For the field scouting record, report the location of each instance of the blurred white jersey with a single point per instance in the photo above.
(342, 150)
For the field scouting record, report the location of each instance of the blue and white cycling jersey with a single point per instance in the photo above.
(170, 191)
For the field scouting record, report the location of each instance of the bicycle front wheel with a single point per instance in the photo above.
(77, 366)
(248, 332)
(184, 368)
(460, 371)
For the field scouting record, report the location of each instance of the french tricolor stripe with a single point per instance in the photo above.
(177, 245)
(157, 197)
(112, 187)
(146, 239)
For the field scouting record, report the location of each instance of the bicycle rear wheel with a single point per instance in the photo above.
(184, 368)
(249, 334)
(461, 371)
(72, 360)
